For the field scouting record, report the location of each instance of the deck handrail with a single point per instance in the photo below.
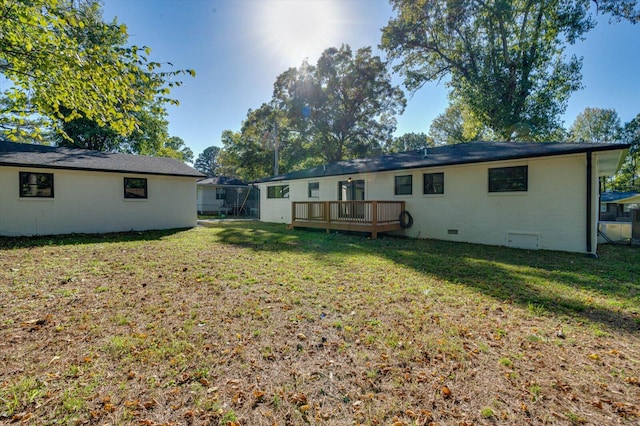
(370, 215)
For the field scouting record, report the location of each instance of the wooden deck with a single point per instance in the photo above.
(360, 216)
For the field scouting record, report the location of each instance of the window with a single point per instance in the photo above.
(278, 191)
(220, 194)
(404, 185)
(507, 179)
(314, 189)
(37, 185)
(434, 183)
(135, 188)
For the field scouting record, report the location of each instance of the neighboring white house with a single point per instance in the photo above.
(227, 195)
(617, 210)
(617, 206)
(526, 195)
(48, 190)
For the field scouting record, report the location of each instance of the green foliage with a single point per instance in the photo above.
(345, 105)
(208, 161)
(409, 142)
(342, 107)
(176, 147)
(64, 63)
(151, 136)
(620, 9)
(244, 155)
(504, 60)
(596, 125)
(628, 178)
(458, 125)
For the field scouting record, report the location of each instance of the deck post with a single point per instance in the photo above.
(293, 213)
(374, 219)
(327, 215)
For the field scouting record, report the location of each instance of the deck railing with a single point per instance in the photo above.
(364, 216)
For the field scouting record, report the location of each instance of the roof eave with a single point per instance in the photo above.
(515, 156)
(90, 169)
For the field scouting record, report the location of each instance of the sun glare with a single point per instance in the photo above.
(293, 30)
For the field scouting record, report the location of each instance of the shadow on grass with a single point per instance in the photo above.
(540, 279)
(8, 243)
(533, 279)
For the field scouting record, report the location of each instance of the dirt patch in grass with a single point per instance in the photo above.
(251, 324)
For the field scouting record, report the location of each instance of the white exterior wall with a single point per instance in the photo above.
(93, 202)
(549, 215)
(278, 210)
(207, 201)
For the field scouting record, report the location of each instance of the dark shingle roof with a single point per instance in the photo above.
(446, 155)
(611, 197)
(222, 180)
(41, 156)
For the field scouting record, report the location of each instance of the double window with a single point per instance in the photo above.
(278, 191)
(433, 183)
(404, 185)
(36, 185)
(135, 188)
(508, 179)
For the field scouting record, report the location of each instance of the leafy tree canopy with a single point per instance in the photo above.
(596, 125)
(64, 63)
(244, 155)
(150, 137)
(458, 125)
(345, 105)
(620, 9)
(208, 161)
(176, 147)
(628, 178)
(503, 59)
(342, 107)
(409, 142)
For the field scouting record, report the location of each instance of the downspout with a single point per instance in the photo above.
(589, 202)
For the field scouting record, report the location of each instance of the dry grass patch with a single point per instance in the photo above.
(251, 324)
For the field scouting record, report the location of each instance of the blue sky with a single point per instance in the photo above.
(239, 47)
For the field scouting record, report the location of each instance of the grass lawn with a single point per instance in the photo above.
(252, 324)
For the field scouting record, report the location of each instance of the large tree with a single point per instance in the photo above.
(628, 178)
(250, 153)
(176, 147)
(150, 137)
(208, 161)
(504, 59)
(458, 125)
(344, 106)
(64, 63)
(244, 156)
(596, 125)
